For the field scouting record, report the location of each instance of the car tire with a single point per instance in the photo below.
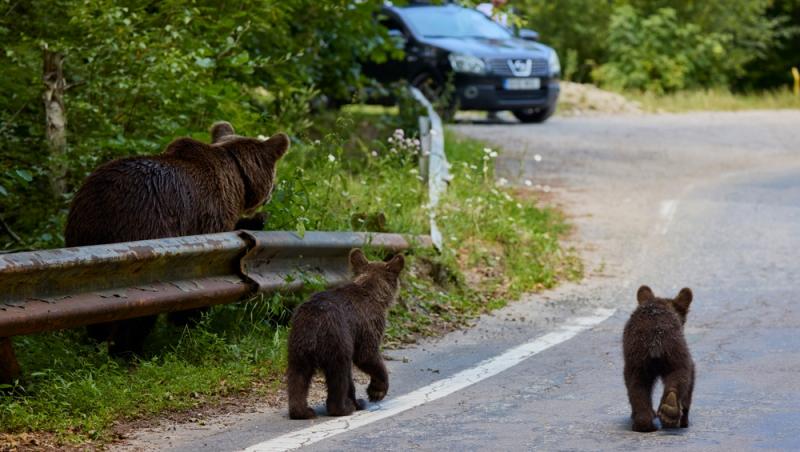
(433, 88)
(535, 115)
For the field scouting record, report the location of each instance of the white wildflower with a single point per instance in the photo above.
(331, 158)
(374, 153)
(487, 150)
(537, 158)
(502, 182)
(528, 183)
(317, 142)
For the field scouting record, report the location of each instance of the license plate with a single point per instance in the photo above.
(522, 83)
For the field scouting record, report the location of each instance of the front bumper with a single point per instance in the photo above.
(487, 93)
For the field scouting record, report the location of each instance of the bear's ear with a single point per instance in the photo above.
(357, 260)
(644, 294)
(683, 300)
(221, 129)
(278, 144)
(396, 264)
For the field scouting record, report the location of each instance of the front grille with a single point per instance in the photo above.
(500, 66)
(521, 95)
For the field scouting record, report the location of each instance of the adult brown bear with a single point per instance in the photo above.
(191, 188)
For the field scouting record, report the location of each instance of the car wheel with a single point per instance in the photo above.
(433, 90)
(535, 115)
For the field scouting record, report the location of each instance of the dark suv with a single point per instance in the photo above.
(490, 68)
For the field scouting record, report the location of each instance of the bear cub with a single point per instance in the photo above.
(338, 328)
(191, 188)
(654, 347)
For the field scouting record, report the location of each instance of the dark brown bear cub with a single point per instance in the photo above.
(338, 328)
(191, 188)
(654, 347)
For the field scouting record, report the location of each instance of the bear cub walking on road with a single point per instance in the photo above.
(654, 346)
(338, 328)
(191, 188)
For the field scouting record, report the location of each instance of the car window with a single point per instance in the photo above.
(391, 23)
(452, 22)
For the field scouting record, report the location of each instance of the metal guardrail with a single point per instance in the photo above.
(70, 287)
(434, 167)
(65, 288)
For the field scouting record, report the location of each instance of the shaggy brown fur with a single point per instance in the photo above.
(654, 346)
(9, 367)
(192, 188)
(338, 328)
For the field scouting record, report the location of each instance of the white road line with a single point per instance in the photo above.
(667, 212)
(433, 391)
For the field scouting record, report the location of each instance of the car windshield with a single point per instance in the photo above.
(452, 22)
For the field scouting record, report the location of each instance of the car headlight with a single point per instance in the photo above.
(554, 64)
(467, 63)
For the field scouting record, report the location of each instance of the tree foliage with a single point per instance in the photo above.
(142, 72)
(664, 45)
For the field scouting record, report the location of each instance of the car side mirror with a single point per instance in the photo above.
(528, 35)
(398, 38)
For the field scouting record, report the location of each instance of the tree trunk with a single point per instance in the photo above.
(56, 118)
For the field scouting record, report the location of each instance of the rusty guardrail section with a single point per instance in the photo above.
(70, 287)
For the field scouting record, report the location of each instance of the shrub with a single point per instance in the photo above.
(658, 53)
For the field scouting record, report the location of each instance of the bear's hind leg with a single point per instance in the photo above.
(128, 336)
(298, 380)
(379, 378)
(676, 389)
(338, 377)
(640, 394)
(687, 403)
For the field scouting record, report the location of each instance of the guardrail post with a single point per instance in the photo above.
(425, 147)
(9, 367)
(437, 173)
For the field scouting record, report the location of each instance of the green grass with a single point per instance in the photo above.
(499, 244)
(716, 100)
(493, 227)
(74, 389)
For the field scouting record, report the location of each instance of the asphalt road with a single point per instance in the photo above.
(709, 201)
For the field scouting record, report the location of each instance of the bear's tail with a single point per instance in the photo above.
(656, 346)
